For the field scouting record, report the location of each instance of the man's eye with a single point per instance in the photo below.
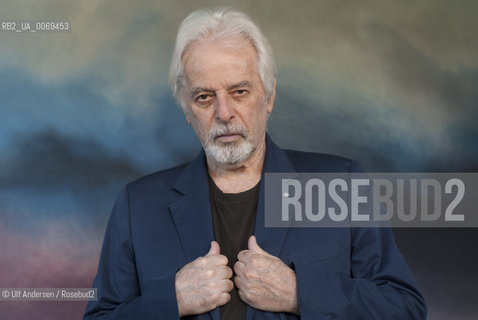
(203, 98)
(240, 93)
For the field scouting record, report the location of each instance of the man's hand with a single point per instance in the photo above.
(264, 281)
(204, 283)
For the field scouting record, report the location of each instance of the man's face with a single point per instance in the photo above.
(224, 99)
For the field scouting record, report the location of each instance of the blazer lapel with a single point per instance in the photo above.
(192, 214)
(270, 239)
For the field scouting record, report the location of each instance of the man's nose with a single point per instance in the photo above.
(224, 110)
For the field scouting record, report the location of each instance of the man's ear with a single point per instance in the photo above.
(186, 113)
(270, 102)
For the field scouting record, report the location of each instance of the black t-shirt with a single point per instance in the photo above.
(233, 217)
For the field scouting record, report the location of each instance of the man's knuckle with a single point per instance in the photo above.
(227, 297)
(230, 285)
(247, 295)
(204, 301)
(201, 261)
(209, 273)
(237, 267)
(229, 272)
(255, 261)
(237, 281)
(249, 273)
(211, 285)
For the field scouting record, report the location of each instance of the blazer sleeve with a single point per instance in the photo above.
(119, 294)
(379, 286)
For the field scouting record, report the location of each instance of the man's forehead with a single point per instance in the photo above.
(216, 61)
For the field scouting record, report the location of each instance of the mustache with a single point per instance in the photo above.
(223, 129)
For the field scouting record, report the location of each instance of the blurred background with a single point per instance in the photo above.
(392, 84)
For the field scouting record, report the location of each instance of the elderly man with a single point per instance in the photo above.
(191, 240)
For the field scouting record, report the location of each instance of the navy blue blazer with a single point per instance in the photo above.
(163, 221)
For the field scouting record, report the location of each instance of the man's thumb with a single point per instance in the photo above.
(214, 249)
(253, 246)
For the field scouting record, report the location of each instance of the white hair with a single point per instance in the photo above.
(220, 24)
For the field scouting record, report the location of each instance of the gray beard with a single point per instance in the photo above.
(231, 153)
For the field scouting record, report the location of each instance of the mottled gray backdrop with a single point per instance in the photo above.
(392, 84)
